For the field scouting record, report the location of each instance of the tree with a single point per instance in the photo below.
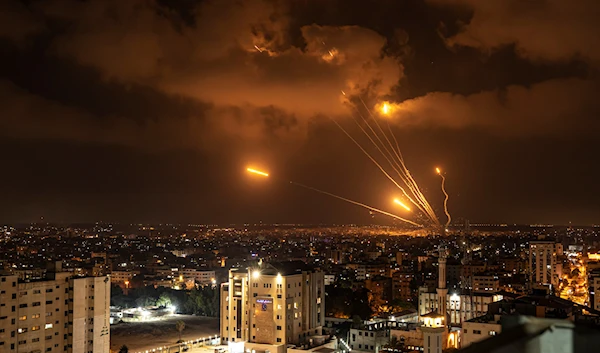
(145, 301)
(180, 326)
(203, 301)
(115, 291)
(124, 349)
(164, 300)
(394, 343)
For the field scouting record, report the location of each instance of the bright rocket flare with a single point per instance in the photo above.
(254, 171)
(385, 108)
(356, 203)
(401, 204)
(445, 197)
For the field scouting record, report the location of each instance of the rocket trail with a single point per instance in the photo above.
(446, 196)
(403, 172)
(399, 169)
(258, 172)
(387, 157)
(410, 182)
(356, 203)
(371, 158)
(401, 204)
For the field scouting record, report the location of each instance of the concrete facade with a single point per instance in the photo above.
(543, 265)
(61, 313)
(274, 305)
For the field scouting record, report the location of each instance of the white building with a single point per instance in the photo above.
(457, 306)
(369, 339)
(269, 306)
(480, 328)
(460, 306)
(61, 313)
(544, 268)
(203, 277)
(434, 332)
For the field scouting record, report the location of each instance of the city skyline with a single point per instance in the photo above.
(150, 111)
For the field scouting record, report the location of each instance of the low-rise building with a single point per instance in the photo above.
(480, 328)
(203, 277)
(486, 282)
(370, 338)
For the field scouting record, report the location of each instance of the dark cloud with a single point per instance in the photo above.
(154, 105)
(28, 116)
(234, 56)
(541, 30)
(235, 53)
(559, 107)
(538, 31)
(17, 23)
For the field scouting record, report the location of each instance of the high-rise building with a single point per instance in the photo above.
(544, 268)
(60, 313)
(273, 304)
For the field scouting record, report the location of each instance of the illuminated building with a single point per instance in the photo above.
(203, 277)
(544, 269)
(480, 328)
(60, 313)
(459, 306)
(434, 330)
(272, 305)
(370, 338)
(119, 277)
(486, 283)
(595, 293)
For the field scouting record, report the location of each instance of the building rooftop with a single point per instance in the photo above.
(517, 338)
(487, 319)
(286, 268)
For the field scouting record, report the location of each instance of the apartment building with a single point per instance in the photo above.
(271, 305)
(486, 282)
(206, 277)
(60, 313)
(544, 268)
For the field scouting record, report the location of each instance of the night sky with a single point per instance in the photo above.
(150, 111)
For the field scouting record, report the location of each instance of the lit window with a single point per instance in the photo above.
(48, 326)
(22, 318)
